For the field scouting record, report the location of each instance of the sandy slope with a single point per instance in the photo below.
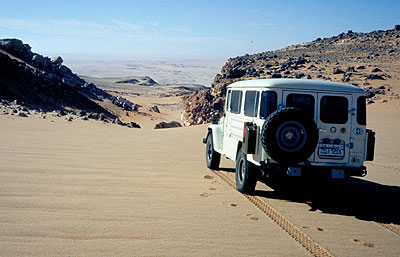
(90, 189)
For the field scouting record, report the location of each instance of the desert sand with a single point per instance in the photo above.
(86, 188)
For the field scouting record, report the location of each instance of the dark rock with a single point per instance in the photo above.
(337, 71)
(375, 76)
(397, 27)
(133, 125)
(102, 116)
(299, 75)
(57, 61)
(376, 70)
(172, 124)
(118, 121)
(350, 69)
(82, 113)
(40, 61)
(235, 73)
(93, 115)
(22, 114)
(154, 108)
(301, 60)
(276, 75)
(360, 67)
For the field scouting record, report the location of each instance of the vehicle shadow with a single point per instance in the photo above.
(365, 200)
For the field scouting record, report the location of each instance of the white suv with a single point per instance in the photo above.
(293, 127)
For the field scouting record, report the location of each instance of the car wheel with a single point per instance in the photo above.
(246, 174)
(289, 136)
(212, 157)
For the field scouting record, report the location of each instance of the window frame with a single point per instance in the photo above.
(239, 104)
(325, 111)
(255, 100)
(263, 105)
(302, 94)
(361, 120)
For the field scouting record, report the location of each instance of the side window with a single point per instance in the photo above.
(268, 104)
(361, 111)
(236, 101)
(228, 101)
(334, 109)
(301, 101)
(251, 103)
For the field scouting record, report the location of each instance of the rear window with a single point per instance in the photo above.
(334, 109)
(301, 101)
(251, 103)
(361, 111)
(236, 101)
(268, 104)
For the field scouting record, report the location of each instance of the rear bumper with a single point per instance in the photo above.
(320, 171)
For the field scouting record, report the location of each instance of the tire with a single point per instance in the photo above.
(289, 136)
(246, 174)
(212, 157)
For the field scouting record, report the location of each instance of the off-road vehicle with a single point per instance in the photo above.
(293, 127)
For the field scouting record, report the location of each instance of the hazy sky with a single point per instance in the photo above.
(185, 28)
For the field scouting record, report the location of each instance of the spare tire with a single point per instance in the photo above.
(289, 136)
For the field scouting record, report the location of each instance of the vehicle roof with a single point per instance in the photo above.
(297, 84)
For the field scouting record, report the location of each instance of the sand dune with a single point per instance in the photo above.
(90, 189)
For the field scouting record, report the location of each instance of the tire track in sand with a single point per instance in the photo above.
(294, 231)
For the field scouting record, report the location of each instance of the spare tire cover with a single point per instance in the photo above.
(289, 136)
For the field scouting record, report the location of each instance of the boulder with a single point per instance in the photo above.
(375, 76)
(40, 61)
(57, 61)
(22, 114)
(154, 108)
(337, 71)
(172, 124)
(132, 125)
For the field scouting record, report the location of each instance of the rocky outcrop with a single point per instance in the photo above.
(303, 61)
(124, 103)
(44, 83)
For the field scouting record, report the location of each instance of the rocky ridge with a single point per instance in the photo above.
(368, 60)
(33, 84)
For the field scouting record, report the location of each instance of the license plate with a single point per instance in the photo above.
(331, 150)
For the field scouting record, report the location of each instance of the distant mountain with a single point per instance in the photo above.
(362, 59)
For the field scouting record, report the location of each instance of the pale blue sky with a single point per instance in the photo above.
(186, 28)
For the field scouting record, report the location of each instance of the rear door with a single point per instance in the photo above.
(334, 124)
(306, 101)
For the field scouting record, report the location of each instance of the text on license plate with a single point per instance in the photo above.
(331, 150)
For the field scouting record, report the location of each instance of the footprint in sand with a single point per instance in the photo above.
(205, 195)
(361, 242)
(319, 229)
(215, 182)
(230, 204)
(208, 177)
(252, 216)
(212, 188)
